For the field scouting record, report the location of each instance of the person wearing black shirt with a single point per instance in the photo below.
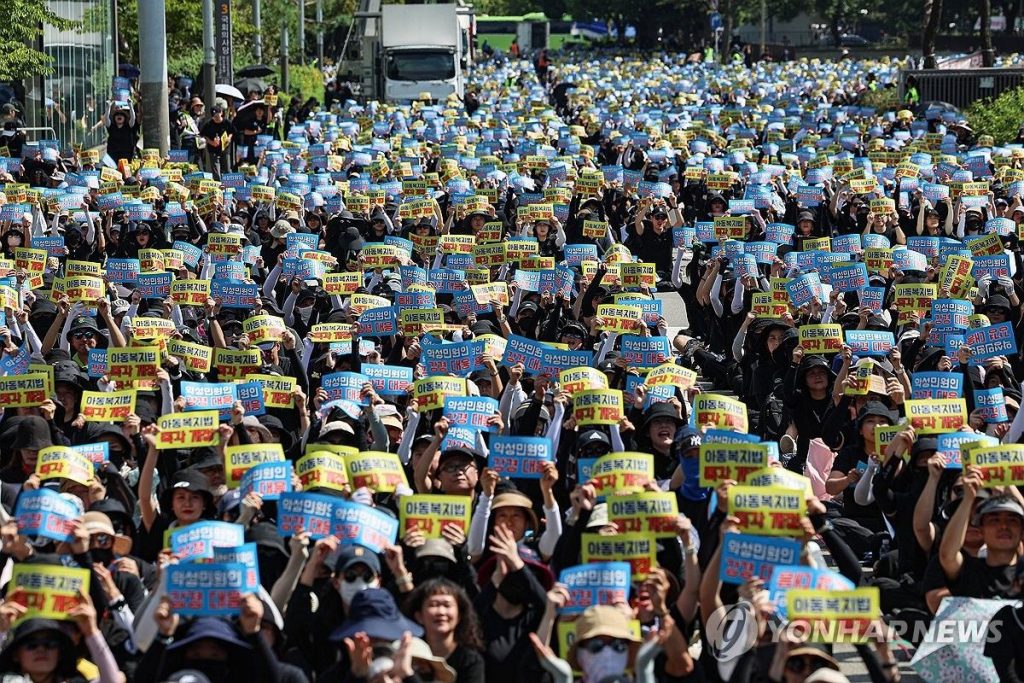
(122, 131)
(217, 132)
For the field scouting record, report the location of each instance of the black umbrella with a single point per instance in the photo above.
(128, 70)
(248, 85)
(255, 71)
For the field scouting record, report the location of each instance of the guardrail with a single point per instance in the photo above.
(961, 87)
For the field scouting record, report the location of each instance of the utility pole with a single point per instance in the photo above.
(285, 84)
(153, 77)
(764, 24)
(302, 31)
(257, 23)
(320, 33)
(209, 55)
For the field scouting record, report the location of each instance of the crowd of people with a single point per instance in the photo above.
(395, 398)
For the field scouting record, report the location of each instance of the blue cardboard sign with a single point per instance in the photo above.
(473, 412)
(388, 380)
(870, 342)
(597, 583)
(346, 386)
(746, 556)
(214, 590)
(46, 513)
(197, 541)
(519, 457)
(990, 403)
(269, 479)
(219, 396)
(936, 385)
(991, 341)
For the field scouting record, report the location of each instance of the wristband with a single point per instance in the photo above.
(118, 604)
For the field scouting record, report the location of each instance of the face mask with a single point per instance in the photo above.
(215, 671)
(605, 663)
(348, 590)
(104, 556)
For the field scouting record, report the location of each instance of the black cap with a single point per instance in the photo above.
(878, 409)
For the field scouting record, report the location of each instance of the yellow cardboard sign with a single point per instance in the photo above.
(377, 470)
(670, 373)
(915, 297)
(821, 339)
(597, 406)
(190, 292)
(234, 364)
(720, 411)
(188, 430)
(621, 473)
(49, 591)
(343, 283)
(429, 514)
(780, 476)
(148, 327)
(735, 461)
(834, 616)
(639, 549)
(24, 391)
(653, 513)
(322, 469)
(638, 275)
(1001, 465)
(574, 380)
(936, 415)
(277, 390)
(62, 462)
(768, 510)
(138, 362)
(730, 227)
(364, 302)
(151, 260)
(107, 406)
(621, 319)
(430, 392)
(264, 328)
(196, 357)
(83, 288)
(325, 333)
(239, 459)
(764, 305)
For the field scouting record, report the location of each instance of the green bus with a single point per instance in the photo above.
(534, 31)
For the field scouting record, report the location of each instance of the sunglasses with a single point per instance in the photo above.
(595, 645)
(804, 664)
(454, 467)
(82, 335)
(41, 643)
(353, 575)
(102, 540)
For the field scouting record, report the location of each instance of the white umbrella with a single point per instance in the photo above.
(229, 91)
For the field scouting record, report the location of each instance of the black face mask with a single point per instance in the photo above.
(217, 672)
(431, 568)
(104, 556)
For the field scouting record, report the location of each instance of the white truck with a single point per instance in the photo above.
(412, 50)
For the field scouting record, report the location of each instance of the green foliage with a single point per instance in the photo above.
(22, 24)
(883, 99)
(998, 117)
(306, 82)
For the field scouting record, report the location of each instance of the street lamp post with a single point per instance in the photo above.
(153, 75)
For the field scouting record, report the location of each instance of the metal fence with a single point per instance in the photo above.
(961, 87)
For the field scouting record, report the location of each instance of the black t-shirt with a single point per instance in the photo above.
(654, 248)
(211, 129)
(1005, 644)
(977, 579)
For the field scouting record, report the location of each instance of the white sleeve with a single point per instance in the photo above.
(271, 281)
(716, 298)
(555, 427)
(862, 493)
(552, 532)
(737, 298)
(408, 436)
(477, 540)
(616, 436)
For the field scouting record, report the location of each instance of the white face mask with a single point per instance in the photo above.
(348, 590)
(605, 663)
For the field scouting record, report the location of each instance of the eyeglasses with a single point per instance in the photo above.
(353, 575)
(82, 335)
(595, 645)
(454, 467)
(41, 643)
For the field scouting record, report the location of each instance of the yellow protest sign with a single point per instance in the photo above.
(597, 406)
(140, 362)
(364, 302)
(595, 230)
(83, 288)
(735, 461)
(430, 392)
(377, 470)
(24, 391)
(830, 616)
(188, 430)
(764, 305)
(239, 459)
(151, 260)
(264, 328)
(914, 297)
(196, 357)
(936, 415)
(884, 434)
(780, 476)
(653, 513)
(190, 292)
(986, 245)
(621, 473)
(484, 294)
(720, 411)
(429, 514)
(574, 380)
(878, 260)
(325, 333)
(638, 275)
(148, 327)
(1001, 465)
(63, 462)
(955, 275)
(232, 364)
(322, 469)
(343, 283)
(107, 406)
(672, 374)
(730, 227)
(49, 591)
(639, 549)
(277, 390)
(821, 339)
(621, 319)
(768, 510)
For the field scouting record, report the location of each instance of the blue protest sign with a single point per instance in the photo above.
(871, 298)
(234, 294)
(121, 270)
(458, 359)
(787, 577)
(388, 380)
(523, 350)
(190, 253)
(97, 363)
(46, 513)
(209, 589)
(379, 322)
(991, 341)
(803, 289)
(219, 396)
(473, 412)
(645, 352)
(991, 405)
(951, 313)
(848, 277)
(250, 394)
(312, 512)
(154, 285)
(197, 541)
(98, 453)
(949, 446)
(936, 385)
(415, 299)
(597, 583)
(870, 342)
(553, 361)
(746, 556)
(576, 254)
(519, 457)
(54, 246)
(346, 386)
(269, 479)
(994, 265)
(355, 523)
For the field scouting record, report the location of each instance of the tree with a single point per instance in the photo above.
(932, 14)
(22, 25)
(988, 55)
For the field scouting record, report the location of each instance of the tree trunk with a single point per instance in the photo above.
(838, 11)
(988, 55)
(933, 15)
(724, 48)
